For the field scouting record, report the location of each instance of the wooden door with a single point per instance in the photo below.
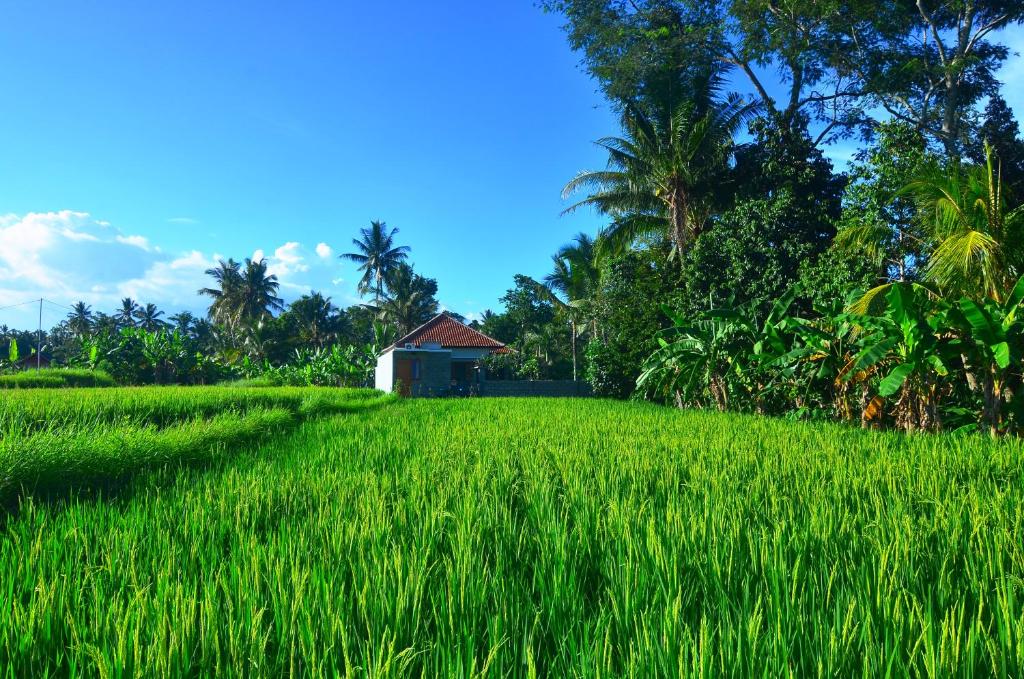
(403, 375)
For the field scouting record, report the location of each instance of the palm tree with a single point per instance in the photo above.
(105, 324)
(243, 297)
(979, 251)
(227, 277)
(315, 315)
(976, 242)
(410, 301)
(149, 318)
(377, 255)
(184, 322)
(80, 319)
(573, 284)
(666, 175)
(257, 295)
(126, 314)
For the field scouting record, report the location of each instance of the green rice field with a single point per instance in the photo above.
(197, 532)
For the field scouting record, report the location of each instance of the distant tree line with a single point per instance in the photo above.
(249, 331)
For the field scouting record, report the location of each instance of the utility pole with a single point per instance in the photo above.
(39, 338)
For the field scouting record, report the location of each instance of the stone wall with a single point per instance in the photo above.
(554, 388)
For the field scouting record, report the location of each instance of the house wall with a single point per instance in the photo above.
(384, 377)
(469, 354)
(435, 372)
(435, 369)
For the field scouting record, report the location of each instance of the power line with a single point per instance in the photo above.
(11, 306)
(62, 306)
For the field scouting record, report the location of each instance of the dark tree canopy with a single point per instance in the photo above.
(926, 63)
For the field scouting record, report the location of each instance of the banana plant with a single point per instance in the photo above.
(993, 344)
(908, 345)
(772, 366)
(700, 363)
(822, 348)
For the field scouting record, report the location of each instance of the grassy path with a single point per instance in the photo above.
(521, 537)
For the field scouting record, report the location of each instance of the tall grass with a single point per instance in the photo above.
(56, 378)
(53, 441)
(535, 538)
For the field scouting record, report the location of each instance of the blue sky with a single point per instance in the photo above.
(142, 141)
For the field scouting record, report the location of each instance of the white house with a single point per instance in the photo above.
(440, 356)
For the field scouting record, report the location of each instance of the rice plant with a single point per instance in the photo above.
(533, 537)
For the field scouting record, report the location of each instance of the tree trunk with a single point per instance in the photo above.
(573, 333)
(992, 412)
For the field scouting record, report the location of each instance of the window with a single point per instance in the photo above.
(415, 368)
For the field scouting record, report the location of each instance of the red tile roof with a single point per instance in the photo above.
(450, 334)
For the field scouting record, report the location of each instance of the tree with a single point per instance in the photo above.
(126, 314)
(879, 220)
(244, 297)
(573, 283)
(628, 315)
(410, 299)
(377, 256)
(926, 63)
(670, 171)
(227, 278)
(638, 49)
(978, 240)
(929, 63)
(257, 295)
(80, 319)
(184, 322)
(628, 45)
(315, 318)
(783, 218)
(1001, 131)
(149, 318)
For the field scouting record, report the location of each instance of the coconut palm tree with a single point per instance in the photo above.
(410, 300)
(243, 297)
(979, 241)
(257, 295)
(315, 316)
(126, 314)
(377, 255)
(80, 319)
(668, 173)
(976, 242)
(573, 285)
(227, 278)
(149, 318)
(184, 322)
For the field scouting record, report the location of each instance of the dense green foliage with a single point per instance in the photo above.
(533, 538)
(911, 359)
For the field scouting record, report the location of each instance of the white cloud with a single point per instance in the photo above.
(323, 250)
(174, 282)
(66, 252)
(182, 220)
(287, 261)
(68, 256)
(137, 241)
